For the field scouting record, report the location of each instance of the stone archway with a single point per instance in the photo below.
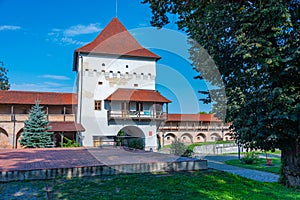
(18, 137)
(186, 138)
(228, 136)
(200, 137)
(4, 142)
(169, 138)
(215, 137)
(132, 137)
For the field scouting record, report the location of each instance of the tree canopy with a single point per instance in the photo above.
(255, 47)
(4, 85)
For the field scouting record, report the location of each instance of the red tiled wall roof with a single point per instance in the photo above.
(115, 40)
(192, 117)
(66, 127)
(28, 97)
(137, 95)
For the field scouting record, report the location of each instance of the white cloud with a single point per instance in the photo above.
(69, 40)
(65, 36)
(81, 29)
(9, 27)
(42, 87)
(55, 77)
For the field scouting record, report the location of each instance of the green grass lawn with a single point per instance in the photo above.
(184, 185)
(260, 165)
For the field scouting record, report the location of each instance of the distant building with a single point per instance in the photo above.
(192, 128)
(59, 107)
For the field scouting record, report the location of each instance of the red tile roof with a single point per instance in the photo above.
(192, 117)
(66, 127)
(45, 98)
(115, 40)
(137, 95)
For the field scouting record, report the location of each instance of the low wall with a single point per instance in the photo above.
(102, 170)
(216, 149)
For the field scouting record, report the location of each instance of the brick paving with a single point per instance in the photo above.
(33, 159)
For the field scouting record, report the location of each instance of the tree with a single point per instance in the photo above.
(36, 130)
(255, 47)
(4, 85)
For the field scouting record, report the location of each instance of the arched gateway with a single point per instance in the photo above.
(131, 136)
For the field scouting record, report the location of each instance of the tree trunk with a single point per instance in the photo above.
(290, 157)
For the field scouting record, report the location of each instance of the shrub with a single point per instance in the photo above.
(179, 149)
(250, 158)
(136, 143)
(70, 143)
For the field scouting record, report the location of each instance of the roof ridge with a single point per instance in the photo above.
(115, 39)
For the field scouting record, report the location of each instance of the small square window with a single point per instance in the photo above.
(100, 83)
(97, 104)
(126, 66)
(136, 85)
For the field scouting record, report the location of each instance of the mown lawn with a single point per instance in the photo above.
(184, 185)
(260, 165)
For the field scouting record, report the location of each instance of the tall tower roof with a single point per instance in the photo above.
(115, 39)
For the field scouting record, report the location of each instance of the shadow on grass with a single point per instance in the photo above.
(209, 184)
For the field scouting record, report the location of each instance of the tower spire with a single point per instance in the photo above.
(117, 8)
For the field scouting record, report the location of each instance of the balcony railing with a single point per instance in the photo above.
(23, 117)
(137, 115)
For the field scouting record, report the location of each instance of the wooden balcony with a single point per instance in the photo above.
(136, 115)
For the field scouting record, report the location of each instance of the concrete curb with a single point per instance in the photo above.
(42, 174)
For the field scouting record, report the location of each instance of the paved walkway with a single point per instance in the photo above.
(35, 159)
(217, 162)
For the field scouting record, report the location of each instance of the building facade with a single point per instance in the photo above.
(59, 108)
(116, 89)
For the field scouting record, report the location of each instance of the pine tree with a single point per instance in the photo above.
(36, 130)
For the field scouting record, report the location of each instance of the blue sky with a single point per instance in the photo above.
(38, 39)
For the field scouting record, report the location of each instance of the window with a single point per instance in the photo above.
(100, 83)
(126, 66)
(103, 64)
(97, 105)
(135, 85)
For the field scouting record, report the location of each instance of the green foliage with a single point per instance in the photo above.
(259, 165)
(203, 112)
(250, 158)
(120, 140)
(180, 185)
(136, 143)
(254, 46)
(4, 85)
(36, 130)
(179, 149)
(69, 143)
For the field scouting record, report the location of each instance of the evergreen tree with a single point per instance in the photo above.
(36, 131)
(4, 85)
